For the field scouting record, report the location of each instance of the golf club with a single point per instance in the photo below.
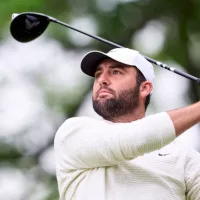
(27, 26)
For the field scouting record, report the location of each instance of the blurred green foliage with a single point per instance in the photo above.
(118, 23)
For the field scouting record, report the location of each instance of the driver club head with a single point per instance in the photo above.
(26, 27)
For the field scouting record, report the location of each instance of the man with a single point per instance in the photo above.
(126, 156)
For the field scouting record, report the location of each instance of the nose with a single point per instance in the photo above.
(104, 79)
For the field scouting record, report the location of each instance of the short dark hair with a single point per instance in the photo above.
(139, 79)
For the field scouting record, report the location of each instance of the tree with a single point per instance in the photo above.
(116, 21)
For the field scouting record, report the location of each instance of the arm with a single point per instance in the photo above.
(88, 143)
(185, 118)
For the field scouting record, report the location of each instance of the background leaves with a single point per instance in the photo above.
(48, 69)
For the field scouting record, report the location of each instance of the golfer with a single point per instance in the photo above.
(126, 155)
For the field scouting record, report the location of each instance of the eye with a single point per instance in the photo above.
(115, 71)
(97, 74)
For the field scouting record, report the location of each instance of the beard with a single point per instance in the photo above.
(125, 103)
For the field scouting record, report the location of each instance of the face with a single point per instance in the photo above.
(115, 92)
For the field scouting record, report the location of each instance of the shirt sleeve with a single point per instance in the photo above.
(192, 175)
(88, 143)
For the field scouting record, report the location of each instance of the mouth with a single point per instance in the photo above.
(103, 93)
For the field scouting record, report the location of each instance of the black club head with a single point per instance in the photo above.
(26, 27)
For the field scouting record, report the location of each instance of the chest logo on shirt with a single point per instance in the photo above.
(163, 154)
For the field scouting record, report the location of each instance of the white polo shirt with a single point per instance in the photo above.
(100, 160)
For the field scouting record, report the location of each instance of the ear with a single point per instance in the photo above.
(145, 88)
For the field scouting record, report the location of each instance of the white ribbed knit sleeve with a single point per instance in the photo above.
(87, 143)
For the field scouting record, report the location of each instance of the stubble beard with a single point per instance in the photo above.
(124, 104)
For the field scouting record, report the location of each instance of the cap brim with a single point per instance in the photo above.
(90, 62)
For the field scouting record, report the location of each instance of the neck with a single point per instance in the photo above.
(129, 117)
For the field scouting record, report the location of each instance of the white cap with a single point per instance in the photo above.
(122, 55)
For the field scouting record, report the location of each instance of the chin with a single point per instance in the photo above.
(102, 100)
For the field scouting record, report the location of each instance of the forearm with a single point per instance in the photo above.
(185, 118)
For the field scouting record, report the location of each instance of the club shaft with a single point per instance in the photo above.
(160, 64)
(181, 73)
(92, 36)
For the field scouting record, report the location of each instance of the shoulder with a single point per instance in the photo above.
(75, 124)
(76, 120)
